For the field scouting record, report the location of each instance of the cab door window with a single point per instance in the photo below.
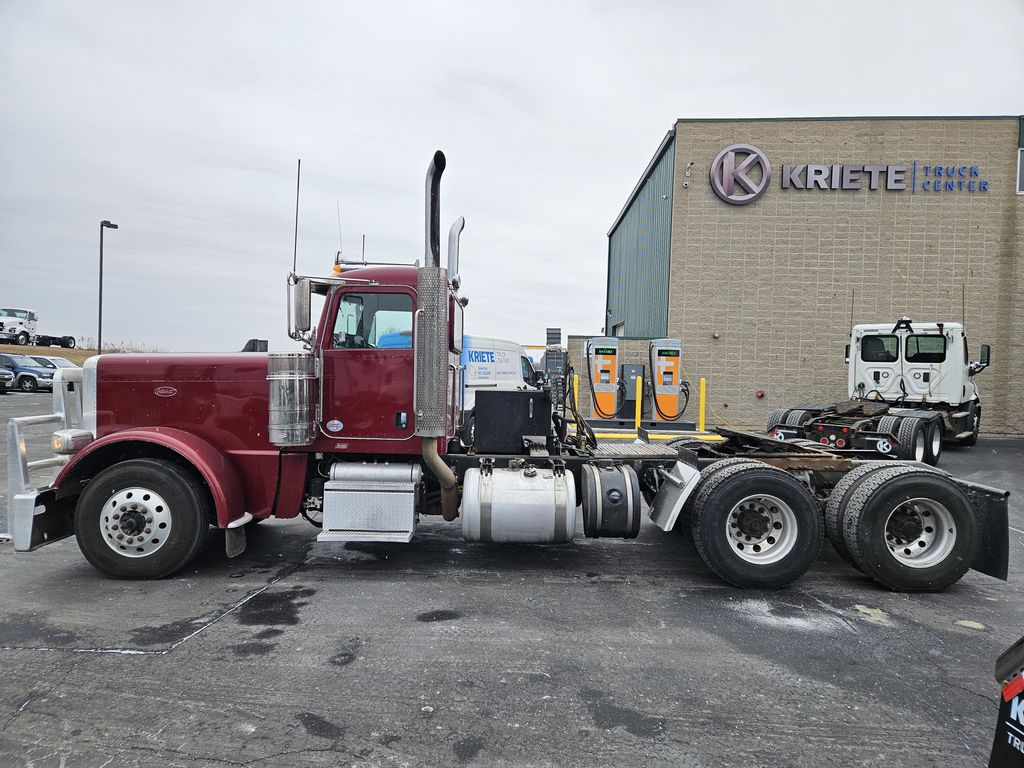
(373, 321)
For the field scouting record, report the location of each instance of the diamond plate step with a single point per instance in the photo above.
(403, 537)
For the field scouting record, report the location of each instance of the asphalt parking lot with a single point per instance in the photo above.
(442, 652)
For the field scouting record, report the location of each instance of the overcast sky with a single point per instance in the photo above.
(182, 123)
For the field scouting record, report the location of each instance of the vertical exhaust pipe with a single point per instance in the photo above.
(453, 251)
(432, 257)
(431, 374)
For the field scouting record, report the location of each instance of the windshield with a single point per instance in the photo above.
(60, 362)
(21, 314)
(44, 362)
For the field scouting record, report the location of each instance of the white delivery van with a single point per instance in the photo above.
(494, 364)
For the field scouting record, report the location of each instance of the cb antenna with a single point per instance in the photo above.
(341, 244)
(295, 244)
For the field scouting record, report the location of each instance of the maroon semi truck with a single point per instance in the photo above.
(358, 432)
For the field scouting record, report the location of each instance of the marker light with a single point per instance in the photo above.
(68, 441)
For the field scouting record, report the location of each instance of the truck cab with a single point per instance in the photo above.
(919, 363)
(17, 325)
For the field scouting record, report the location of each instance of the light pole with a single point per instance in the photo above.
(99, 333)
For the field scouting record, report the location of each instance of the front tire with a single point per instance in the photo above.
(141, 519)
(28, 384)
(756, 526)
(22, 339)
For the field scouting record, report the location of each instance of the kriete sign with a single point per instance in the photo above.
(741, 173)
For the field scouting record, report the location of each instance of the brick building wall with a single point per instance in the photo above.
(761, 294)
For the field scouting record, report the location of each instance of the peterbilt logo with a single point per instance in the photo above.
(732, 166)
(165, 391)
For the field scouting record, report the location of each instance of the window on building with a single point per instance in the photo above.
(619, 329)
(879, 349)
(373, 321)
(926, 348)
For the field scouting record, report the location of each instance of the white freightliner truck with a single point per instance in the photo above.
(18, 326)
(359, 432)
(911, 387)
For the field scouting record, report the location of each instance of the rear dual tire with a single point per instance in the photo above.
(910, 529)
(754, 525)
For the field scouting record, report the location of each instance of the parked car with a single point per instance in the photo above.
(6, 381)
(52, 363)
(29, 375)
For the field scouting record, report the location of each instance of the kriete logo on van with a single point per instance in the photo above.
(479, 356)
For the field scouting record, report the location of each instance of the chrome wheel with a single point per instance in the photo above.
(920, 533)
(762, 529)
(919, 445)
(135, 522)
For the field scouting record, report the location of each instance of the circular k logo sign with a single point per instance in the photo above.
(732, 168)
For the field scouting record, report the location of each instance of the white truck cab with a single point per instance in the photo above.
(17, 325)
(913, 363)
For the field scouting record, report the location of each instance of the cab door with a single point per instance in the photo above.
(367, 369)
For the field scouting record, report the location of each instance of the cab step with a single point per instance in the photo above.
(370, 502)
(961, 414)
(402, 537)
(962, 435)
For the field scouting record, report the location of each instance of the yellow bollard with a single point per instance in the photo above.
(703, 404)
(639, 402)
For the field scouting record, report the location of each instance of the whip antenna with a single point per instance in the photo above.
(295, 244)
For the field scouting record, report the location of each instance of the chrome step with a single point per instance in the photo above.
(402, 537)
(962, 435)
(961, 414)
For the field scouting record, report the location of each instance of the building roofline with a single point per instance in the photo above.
(841, 117)
(662, 148)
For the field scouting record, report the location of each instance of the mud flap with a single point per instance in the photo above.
(234, 536)
(992, 510)
(676, 487)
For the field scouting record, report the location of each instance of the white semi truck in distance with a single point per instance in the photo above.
(911, 387)
(18, 326)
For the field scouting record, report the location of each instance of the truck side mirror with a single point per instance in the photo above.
(986, 354)
(539, 379)
(298, 307)
(847, 354)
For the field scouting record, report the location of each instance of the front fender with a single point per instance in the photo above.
(221, 478)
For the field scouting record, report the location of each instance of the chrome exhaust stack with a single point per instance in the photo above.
(430, 400)
(453, 251)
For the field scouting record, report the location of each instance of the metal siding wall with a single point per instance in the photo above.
(638, 256)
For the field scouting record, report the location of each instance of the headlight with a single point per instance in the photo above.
(46, 375)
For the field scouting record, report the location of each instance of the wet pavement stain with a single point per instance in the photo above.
(438, 615)
(319, 727)
(274, 608)
(252, 649)
(346, 653)
(23, 629)
(266, 634)
(468, 748)
(607, 715)
(171, 632)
